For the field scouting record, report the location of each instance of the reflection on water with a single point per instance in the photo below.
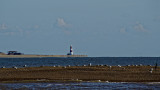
(80, 85)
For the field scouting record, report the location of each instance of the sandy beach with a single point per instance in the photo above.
(81, 73)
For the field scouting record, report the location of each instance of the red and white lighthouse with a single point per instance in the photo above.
(71, 50)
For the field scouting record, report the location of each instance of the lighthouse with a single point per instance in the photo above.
(71, 50)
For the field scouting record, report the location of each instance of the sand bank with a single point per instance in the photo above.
(81, 73)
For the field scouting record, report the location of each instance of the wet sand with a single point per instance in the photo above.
(80, 73)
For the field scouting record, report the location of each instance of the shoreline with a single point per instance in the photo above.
(72, 81)
(80, 74)
(39, 56)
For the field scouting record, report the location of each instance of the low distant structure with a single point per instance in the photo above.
(1, 53)
(14, 53)
(71, 51)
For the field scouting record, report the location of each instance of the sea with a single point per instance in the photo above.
(79, 61)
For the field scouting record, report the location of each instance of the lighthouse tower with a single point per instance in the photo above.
(71, 50)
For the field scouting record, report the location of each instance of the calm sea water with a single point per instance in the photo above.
(36, 62)
(19, 62)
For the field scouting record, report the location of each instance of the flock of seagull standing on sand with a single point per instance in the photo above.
(151, 70)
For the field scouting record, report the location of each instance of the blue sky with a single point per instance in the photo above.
(92, 27)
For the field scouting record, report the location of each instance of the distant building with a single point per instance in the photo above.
(71, 51)
(14, 53)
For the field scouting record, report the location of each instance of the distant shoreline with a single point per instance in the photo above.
(39, 56)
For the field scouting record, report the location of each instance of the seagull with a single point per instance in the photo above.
(128, 65)
(25, 66)
(107, 81)
(90, 64)
(151, 70)
(3, 67)
(15, 67)
(110, 67)
(101, 65)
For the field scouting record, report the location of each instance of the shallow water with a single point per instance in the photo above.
(81, 85)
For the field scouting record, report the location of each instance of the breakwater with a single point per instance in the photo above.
(38, 56)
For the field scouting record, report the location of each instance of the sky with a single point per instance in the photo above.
(97, 28)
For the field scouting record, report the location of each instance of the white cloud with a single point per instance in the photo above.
(139, 27)
(64, 26)
(14, 30)
(3, 27)
(62, 23)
